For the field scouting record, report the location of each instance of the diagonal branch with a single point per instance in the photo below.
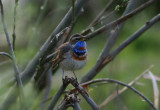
(114, 95)
(98, 17)
(123, 84)
(51, 42)
(120, 20)
(31, 67)
(137, 34)
(92, 73)
(82, 91)
(76, 106)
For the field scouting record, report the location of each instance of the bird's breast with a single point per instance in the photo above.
(73, 62)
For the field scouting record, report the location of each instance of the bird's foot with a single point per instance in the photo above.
(75, 77)
(65, 80)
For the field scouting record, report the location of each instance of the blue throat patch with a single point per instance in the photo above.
(79, 45)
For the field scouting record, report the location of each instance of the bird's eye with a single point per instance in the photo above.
(77, 39)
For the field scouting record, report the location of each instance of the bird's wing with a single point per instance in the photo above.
(62, 50)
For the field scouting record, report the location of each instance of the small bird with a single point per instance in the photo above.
(72, 55)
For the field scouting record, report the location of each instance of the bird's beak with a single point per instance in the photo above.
(82, 39)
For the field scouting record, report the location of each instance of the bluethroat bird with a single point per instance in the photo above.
(72, 55)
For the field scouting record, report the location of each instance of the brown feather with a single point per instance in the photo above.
(82, 48)
(79, 58)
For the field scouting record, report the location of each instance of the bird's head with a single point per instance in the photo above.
(75, 38)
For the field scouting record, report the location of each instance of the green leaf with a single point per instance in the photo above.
(117, 8)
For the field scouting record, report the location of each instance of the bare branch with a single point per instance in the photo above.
(6, 54)
(40, 77)
(69, 100)
(30, 69)
(83, 93)
(106, 8)
(114, 53)
(120, 20)
(14, 24)
(155, 89)
(126, 85)
(146, 76)
(136, 34)
(96, 20)
(76, 106)
(80, 90)
(114, 95)
(43, 9)
(16, 69)
(49, 44)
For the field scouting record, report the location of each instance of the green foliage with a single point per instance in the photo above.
(117, 8)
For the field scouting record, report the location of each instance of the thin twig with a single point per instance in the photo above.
(155, 89)
(146, 76)
(92, 73)
(43, 10)
(118, 97)
(96, 20)
(6, 54)
(100, 18)
(14, 24)
(137, 34)
(113, 95)
(126, 85)
(35, 33)
(113, 38)
(120, 20)
(106, 8)
(17, 72)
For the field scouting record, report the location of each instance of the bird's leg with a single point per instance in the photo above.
(74, 76)
(63, 78)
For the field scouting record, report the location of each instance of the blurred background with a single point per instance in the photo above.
(34, 24)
